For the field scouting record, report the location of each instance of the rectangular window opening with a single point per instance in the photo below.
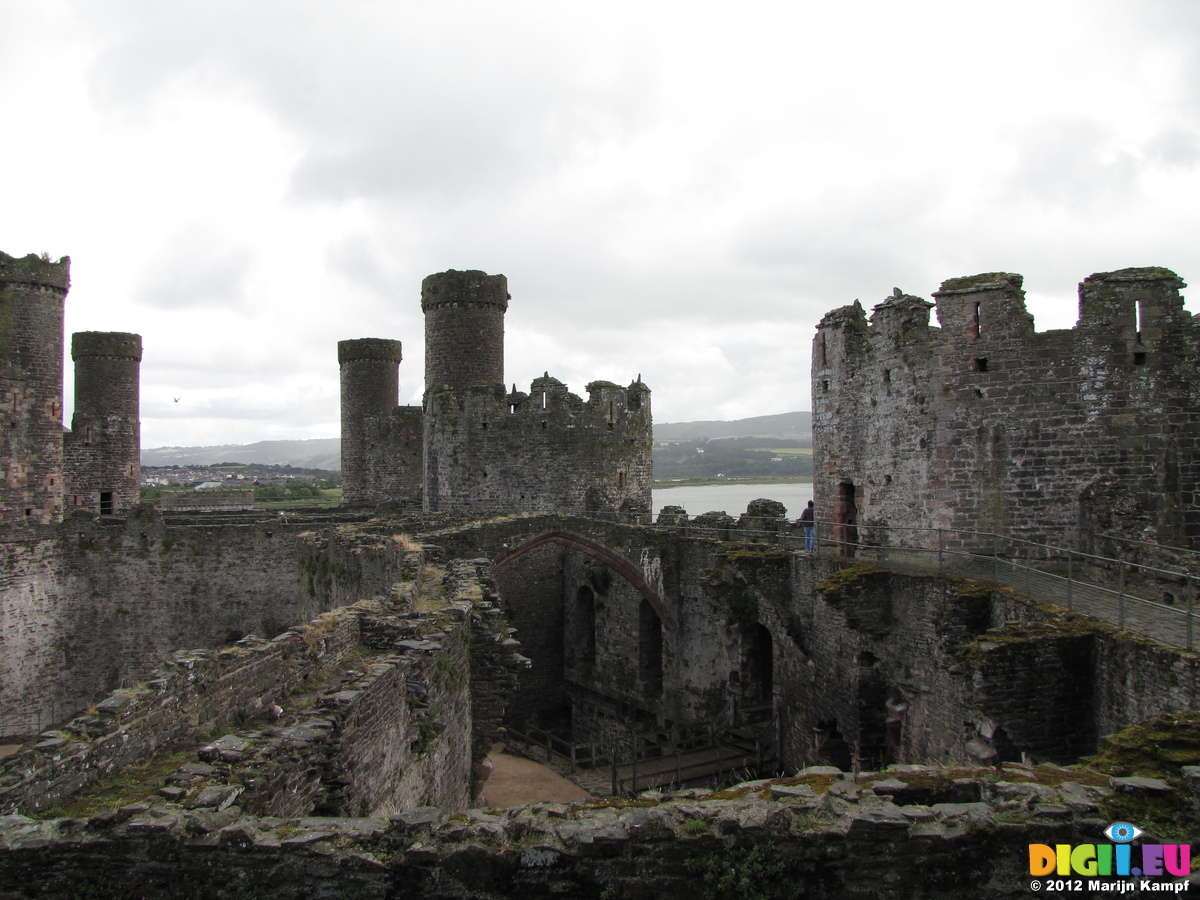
(981, 364)
(1139, 359)
(106, 503)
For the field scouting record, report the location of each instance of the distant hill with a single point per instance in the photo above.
(320, 453)
(784, 425)
(326, 453)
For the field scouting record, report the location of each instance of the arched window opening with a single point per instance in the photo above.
(582, 630)
(758, 663)
(650, 650)
(845, 519)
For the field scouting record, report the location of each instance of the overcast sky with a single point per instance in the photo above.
(674, 189)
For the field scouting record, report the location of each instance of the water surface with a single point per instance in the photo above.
(732, 498)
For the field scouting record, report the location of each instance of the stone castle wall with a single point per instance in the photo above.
(472, 446)
(1071, 437)
(94, 606)
(32, 293)
(381, 441)
(545, 450)
(464, 329)
(366, 710)
(908, 668)
(102, 451)
(207, 500)
(824, 834)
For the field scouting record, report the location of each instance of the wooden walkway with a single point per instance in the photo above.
(664, 771)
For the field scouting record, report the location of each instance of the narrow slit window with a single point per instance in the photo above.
(976, 328)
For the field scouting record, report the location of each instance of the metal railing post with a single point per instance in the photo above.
(1191, 614)
(612, 752)
(1070, 573)
(1121, 598)
(1028, 568)
(940, 547)
(995, 557)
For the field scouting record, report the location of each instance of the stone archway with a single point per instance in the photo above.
(628, 570)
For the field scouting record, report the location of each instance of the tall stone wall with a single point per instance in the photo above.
(531, 589)
(97, 605)
(32, 293)
(542, 451)
(1072, 437)
(102, 451)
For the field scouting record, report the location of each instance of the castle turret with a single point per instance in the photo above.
(102, 464)
(464, 329)
(32, 291)
(370, 378)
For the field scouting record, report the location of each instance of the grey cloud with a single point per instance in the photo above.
(1176, 147)
(393, 101)
(1071, 162)
(197, 269)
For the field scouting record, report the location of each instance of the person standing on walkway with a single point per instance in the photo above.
(807, 521)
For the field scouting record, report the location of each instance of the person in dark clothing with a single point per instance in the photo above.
(809, 525)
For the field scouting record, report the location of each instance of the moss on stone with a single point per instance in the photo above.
(849, 582)
(130, 785)
(1156, 748)
(1014, 633)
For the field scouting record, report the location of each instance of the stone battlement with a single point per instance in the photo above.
(106, 344)
(542, 450)
(983, 424)
(380, 349)
(36, 270)
(547, 449)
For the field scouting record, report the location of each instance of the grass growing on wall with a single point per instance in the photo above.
(131, 785)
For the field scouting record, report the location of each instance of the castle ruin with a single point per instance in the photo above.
(474, 445)
(357, 663)
(1073, 437)
(96, 465)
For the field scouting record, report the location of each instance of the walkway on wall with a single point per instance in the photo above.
(1139, 592)
(1143, 587)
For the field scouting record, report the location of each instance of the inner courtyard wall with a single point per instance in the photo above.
(95, 603)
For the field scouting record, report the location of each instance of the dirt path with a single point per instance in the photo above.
(516, 781)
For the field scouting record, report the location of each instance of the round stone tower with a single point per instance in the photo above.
(370, 379)
(32, 291)
(103, 450)
(464, 329)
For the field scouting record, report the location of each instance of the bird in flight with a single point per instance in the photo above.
(176, 399)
